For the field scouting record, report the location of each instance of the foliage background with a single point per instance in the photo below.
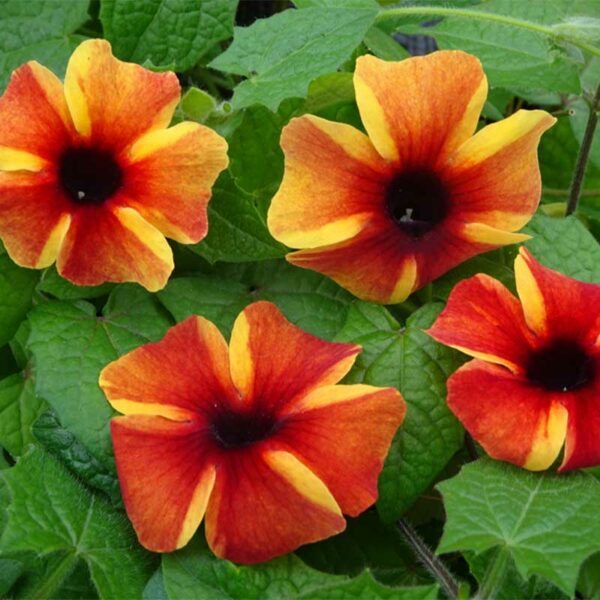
(514, 534)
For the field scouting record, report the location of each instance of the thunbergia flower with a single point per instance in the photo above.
(90, 176)
(535, 382)
(384, 215)
(254, 437)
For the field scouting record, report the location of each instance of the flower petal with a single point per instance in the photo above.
(420, 109)
(36, 125)
(376, 265)
(273, 361)
(582, 447)
(556, 305)
(112, 103)
(494, 177)
(166, 478)
(513, 420)
(483, 319)
(343, 433)
(114, 244)
(266, 503)
(333, 181)
(176, 377)
(34, 217)
(170, 176)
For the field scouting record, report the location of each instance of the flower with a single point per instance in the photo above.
(384, 215)
(257, 436)
(535, 380)
(90, 176)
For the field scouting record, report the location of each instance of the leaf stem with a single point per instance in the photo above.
(431, 562)
(442, 11)
(494, 576)
(584, 155)
(48, 586)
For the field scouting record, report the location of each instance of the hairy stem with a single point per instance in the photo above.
(431, 562)
(584, 155)
(441, 11)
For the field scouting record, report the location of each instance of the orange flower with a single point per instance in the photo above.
(90, 176)
(257, 436)
(386, 214)
(536, 379)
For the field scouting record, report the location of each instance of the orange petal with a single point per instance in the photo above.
(512, 419)
(266, 503)
(273, 362)
(343, 433)
(34, 217)
(582, 448)
(556, 305)
(170, 176)
(483, 319)
(177, 377)
(421, 109)
(333, 181)
(495, 177)
(107, 243)
(36, 125)
(112, 103)
(166, 478)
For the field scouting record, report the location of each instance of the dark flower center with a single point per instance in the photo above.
(236, 430)
(561, 366)
(89, 175)
(417, 201)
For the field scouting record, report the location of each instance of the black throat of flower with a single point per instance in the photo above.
(232, 429)
(561, 366)
(89, 175)
(417, 201)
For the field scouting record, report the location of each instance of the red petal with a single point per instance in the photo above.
(256, 513)
(512, 419)
(178, 377)
(483, 319)
(343, 433)
(166, 478)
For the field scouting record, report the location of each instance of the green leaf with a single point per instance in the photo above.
(383, 45)
(589, 579)
(166, 32)
(411, 361)
(513, 585)
(281, 55)
(71, 345)
(511, 56)
(50, 513)
(19, 408)
(16, 291)
(566, 246)
(155, 588)
(194, 573)
(52, 283)
(547, 522)
(197, 104)
(64, 446)
(308, 299)
(10, 570)
(237, 231)
(41, 30)
(366, 543)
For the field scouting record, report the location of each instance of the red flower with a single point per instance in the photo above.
(91, 178)
(535, 383)
(256, 436)
(384, 215)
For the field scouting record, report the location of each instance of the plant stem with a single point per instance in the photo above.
(441, 11)
(584, 155)
(494, 576)
(431, 562)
